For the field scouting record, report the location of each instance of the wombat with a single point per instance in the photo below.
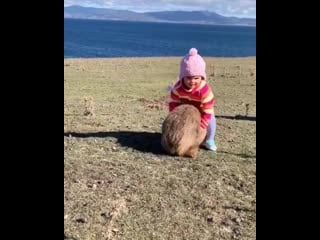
(181, 131)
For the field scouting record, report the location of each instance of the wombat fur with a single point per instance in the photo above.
(181, 131)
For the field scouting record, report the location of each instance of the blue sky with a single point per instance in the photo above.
(237, 8)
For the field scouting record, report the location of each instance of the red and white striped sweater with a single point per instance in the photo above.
(201, 97)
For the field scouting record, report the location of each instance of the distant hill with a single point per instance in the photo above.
(201, 17)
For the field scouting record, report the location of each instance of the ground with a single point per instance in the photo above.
(118, 182)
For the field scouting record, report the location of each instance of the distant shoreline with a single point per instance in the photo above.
(170, 16)
(169, 22)
(160, 57)
(154, 57)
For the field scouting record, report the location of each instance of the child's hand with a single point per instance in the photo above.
(169, 88)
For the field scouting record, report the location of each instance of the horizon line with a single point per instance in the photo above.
(159, 11)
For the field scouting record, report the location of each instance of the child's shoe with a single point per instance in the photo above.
(210, 145)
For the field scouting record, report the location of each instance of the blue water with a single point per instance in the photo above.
(104, 38)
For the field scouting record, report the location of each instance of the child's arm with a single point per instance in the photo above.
(174, 100)
(205, 118)
(207, 106)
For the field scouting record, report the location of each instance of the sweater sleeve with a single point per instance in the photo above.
(174, 100)
(207, 105)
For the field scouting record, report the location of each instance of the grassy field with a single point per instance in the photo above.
(119, 184)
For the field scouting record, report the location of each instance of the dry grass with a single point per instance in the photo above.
(118, 182)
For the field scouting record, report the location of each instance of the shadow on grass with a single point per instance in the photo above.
(242, 155)
(238, 117)
(141, 141)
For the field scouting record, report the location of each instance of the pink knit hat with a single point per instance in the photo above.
(192, 65)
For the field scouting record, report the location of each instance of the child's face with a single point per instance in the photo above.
(192, 81)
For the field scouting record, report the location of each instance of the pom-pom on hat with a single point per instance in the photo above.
(192, 65)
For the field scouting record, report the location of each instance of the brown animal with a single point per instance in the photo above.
(181, 131)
